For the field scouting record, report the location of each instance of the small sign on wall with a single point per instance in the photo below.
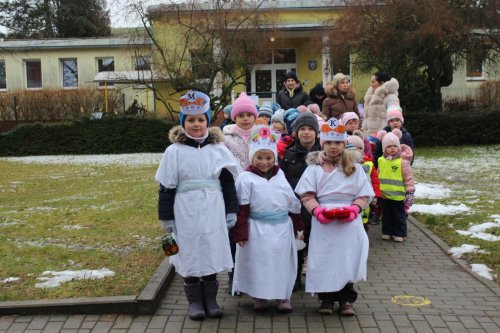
(312, 65)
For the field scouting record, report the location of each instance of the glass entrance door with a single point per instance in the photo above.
(267, 80)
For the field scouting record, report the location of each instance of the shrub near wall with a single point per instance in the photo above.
(107, 136)
(449, 129)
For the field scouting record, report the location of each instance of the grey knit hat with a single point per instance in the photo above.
(306, 119)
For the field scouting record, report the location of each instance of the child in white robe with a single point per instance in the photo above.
(268, 219)
(198, 203)
(338, 246)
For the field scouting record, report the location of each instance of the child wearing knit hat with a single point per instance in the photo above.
(396, 184)
(287, 138)
(197, 152)
(266, 113)
(351, 123)
(244, 113)
(227, 116)
(267, 225)
(355, 148)
(394, 120)
(335, 190)
(278, 122)
(293, 164)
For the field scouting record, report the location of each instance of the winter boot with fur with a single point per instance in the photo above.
(212, 309)
(194, 295)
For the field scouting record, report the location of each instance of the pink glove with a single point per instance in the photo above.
(354, 212)
(319, 214)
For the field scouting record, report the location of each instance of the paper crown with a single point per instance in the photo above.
(263, 138)
(332, 130)
(194, 102)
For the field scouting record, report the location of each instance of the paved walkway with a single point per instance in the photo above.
(417, 267)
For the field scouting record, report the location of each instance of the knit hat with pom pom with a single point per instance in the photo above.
(243, 104)
(356, 141)
(314, 108)
(390, 139)
(395, 112)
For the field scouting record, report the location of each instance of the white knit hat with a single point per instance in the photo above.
(263, 138)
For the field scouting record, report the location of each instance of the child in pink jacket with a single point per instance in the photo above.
(396, 184)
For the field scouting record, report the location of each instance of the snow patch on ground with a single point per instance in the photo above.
(478, 230)
(431, 191)
(439, 209)
(458, 252)
(120, 159)
(9, 279)
(73, 227)
(482, 270)
(57, 278)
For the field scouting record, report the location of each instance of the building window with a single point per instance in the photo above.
(142, 63)
(105, 65)
(33, 73)
(69, 69)
(284, 56)
(474, 66)
(3, 76)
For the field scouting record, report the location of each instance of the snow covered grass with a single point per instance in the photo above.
(457, 197)
(78, 214)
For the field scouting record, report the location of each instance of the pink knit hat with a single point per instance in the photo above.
(314, 108)
(395, 112)
(357, 141)
(243, 104)
(302, 108)
(349, 116)
(389, 139)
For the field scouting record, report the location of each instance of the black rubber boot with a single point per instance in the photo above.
(212, 309)
(194, 295)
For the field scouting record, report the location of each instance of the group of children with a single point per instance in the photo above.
(247, 194)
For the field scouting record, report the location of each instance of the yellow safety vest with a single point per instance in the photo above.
(368, 167)
(391, 179)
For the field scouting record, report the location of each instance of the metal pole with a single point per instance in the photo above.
(106, 96)
(123, 103)
(16, 117)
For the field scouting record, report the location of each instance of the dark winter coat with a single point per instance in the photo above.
(318, 90)
(405, 139)
(286, 102)
(293, 162)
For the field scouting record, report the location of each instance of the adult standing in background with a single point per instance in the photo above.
(292, 95)
(317, 94)
(382, 93)
(339, 97)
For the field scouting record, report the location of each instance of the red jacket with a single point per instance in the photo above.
(373, 177)
(283, 144)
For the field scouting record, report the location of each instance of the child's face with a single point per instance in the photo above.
(278, 127)
(395, 123)
(333, 148)
(266, 118)
(306, 135)
(391, 150)
(245, 120)
(352, 125)
(263, 160)
(195, 125)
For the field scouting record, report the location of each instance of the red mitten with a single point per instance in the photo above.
(353, 213)
(319, 214)
(337, 213)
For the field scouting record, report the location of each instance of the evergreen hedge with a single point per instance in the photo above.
(106, 136)
(134, 135)
(453, 129)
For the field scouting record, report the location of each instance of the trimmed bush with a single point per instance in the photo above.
(106, 136)
(451, 129)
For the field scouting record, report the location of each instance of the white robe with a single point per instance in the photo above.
(267, 266)
(200, 216)
(338, 251)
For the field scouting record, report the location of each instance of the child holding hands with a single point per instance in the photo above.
(268, 220)
(198, 203)
(338, 246)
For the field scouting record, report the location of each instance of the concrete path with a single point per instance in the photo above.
(459, 301)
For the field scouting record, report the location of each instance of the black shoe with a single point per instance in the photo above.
(326, 307)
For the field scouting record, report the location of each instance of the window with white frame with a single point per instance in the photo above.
(3, 75)
(33, 73)
(201, 62)
(69, 70)
(142, 63)
(105, 65)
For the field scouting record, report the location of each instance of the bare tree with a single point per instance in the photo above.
(420, 42)
(207, 46)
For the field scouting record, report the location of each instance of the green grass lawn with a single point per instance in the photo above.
(75, 217)
(471, 175)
